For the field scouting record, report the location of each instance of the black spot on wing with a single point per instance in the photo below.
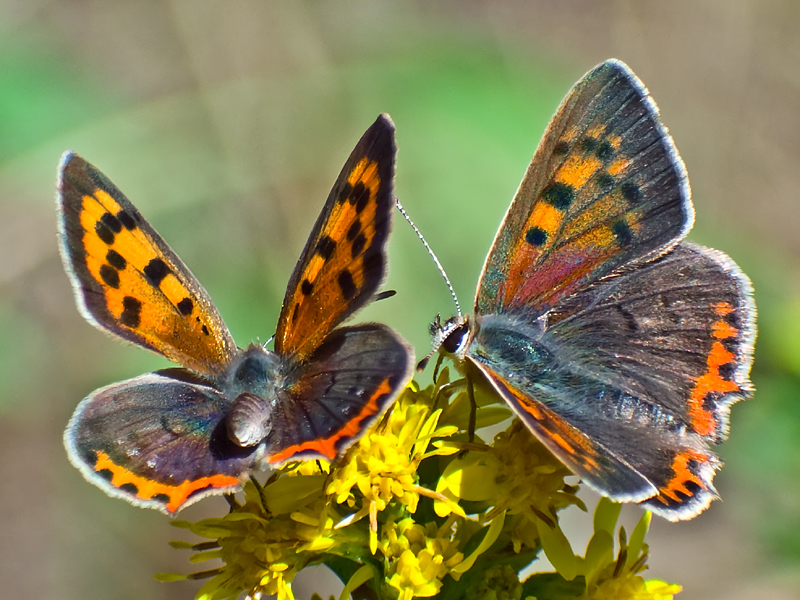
(111, 222)
(588, 144)
(116, 260)
(605, 181)
(358, 245)
(536, 236)
(631, 192)
(360, 196)
(110, 276)
(106, 474)
(104, 233)
(163, 498)
(561, 148)
(346, 193)
(604, 150)
(558, 194)
(126, 220)
(326, 247)
(129, 488)
(727, 371)
(346, 284)
(186, 306)
(622, 232)
(156, 270)
(354, 230)
(131, 312)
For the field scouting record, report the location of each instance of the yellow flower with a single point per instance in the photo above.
(262, 550)
(418, 557)
(382, 466)
(634, 588)
(608, 578)
(517, 474)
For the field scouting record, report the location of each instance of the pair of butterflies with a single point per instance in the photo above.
(619, 345)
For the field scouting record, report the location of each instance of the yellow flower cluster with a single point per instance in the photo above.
(517, 474)
(416, 509)
(261, 551)
(418, 557)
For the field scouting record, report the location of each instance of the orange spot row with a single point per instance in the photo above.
(147, 489)
(722, 308)
(702, 420)
(683, 475)
(327, 446)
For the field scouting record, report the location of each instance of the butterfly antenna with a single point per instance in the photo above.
(432, 254)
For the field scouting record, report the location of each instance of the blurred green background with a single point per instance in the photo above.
(227, 122)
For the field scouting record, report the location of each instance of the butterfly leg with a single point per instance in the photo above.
(439, 360)
(473, 410)
(260, 490)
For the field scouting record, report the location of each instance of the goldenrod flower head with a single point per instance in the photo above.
(516, 474)
(609, 578)
(262, 551)
(418, 557)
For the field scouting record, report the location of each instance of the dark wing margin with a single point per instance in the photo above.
(352, 378)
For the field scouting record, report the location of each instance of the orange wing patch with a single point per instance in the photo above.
(173, 497)
(686, 481)
(712, 384)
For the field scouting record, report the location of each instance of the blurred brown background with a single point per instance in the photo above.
(227, 122)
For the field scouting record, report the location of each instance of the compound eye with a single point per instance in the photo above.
(452, 342)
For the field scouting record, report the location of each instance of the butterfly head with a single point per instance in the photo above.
(452, 336)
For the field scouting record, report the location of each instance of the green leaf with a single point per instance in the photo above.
(558, 550)
(359, 578)
(636, 544)
(490, 538)
(599, 553)
(606, 515)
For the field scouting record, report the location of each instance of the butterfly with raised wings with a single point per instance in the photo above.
(619, 345)
(166, 439)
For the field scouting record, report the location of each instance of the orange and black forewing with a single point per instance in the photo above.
(344, 260)
(128, 281)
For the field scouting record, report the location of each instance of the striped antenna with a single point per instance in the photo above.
(432, 254)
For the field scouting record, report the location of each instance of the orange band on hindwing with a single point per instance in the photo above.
(172, 496)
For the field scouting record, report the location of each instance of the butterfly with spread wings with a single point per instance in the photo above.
(166, 439)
